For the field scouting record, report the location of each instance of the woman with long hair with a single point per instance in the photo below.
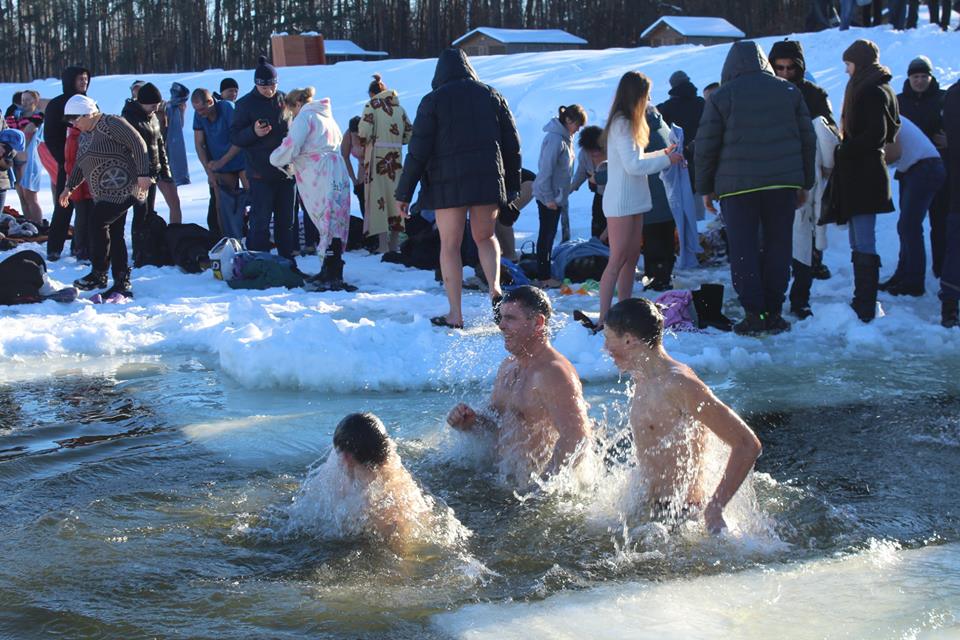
(311, 149)
(29, 119)
(860, 183)
(627, 194)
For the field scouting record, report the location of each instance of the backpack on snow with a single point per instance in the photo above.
(21, 277)
(150, 242)
(189, 246)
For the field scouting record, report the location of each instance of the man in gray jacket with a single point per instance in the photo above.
(755, 152)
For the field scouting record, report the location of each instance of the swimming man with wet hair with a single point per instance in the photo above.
(537, 413)
(397, 508)
(670, 413)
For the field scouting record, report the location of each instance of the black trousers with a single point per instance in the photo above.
(109, 243)
(549, 219)
(60, 221)
(598, 221)
(658, 247)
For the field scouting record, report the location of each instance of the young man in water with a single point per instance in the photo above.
(537, 414)
(670, 413)
(396, 509)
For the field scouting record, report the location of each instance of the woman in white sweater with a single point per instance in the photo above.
(627, 194)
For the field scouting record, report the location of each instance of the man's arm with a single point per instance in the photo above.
(562, 395)
(346, 146)
(744, 446)
(200, 142)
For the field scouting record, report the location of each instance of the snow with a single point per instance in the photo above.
(524, 36)
(380, 337)
(696, 26)
(349, 48)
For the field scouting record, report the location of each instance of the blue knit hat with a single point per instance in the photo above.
(266, 73)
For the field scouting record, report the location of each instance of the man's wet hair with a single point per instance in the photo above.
(637, 317)
(590, 138)
(364, 437)
(530, 298)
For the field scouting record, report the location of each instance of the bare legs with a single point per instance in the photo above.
(625, 234)
(30, 201)
(169, 191)
(450, 223)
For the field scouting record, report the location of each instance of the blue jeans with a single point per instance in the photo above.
(918, 186)
(760, 236)
(272, 199)
(847, 10)
(862, 229)
(950, 275)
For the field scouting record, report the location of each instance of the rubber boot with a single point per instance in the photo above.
(866, 279)
(800, 290)
(708, 303)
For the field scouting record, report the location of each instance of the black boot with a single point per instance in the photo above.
(121, 285)
(708, 303)
(800, 290)
(950, 314)
(818, 270)
(866, 279)
(751, 325)
(775, 323)
(93, 280)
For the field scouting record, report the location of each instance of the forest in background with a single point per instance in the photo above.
(159, 36)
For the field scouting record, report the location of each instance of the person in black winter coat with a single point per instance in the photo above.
(921, 101)
(259, 125)
(684, 108)
(465, 153)
(142, 116)
(756, 152)
(950, 275)
(75, 79)
(860, 183)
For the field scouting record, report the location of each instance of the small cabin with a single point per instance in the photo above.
(669, 30)
(311, 48)
(488, 41)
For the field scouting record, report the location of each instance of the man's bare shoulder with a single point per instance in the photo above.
(556, 370)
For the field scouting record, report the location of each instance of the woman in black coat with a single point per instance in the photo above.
(860, 182)
(465, 153)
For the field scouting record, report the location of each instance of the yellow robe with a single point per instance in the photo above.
(384, 129)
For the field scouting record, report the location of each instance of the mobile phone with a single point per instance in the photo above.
(263, 123)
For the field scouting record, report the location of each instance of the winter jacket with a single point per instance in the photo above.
(110, 159)
(70, 149)
(628, 190)
(148, 126)
(465, 148)
(176, 145)
(555, 165)
(951, 125)
(256, 151)
(924, 109)
(55, 133)
(816, 99)
(860, 183)
(684, 108)
(659, 140)
(755, 132)
(312, 149)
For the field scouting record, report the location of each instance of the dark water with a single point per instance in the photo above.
(145, 499)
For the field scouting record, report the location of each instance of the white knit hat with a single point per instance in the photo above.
(80, 105)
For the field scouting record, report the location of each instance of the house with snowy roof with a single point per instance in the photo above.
(486, 41)
(310, 48)
(690, 30)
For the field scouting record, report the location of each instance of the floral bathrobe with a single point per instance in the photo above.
(384, 129)
(311, 152)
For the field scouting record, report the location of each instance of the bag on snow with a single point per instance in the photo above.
(150, 242)
(21, 278)
(189, 246)
(221, 257)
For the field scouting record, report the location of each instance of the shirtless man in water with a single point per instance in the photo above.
(670, 413)
(537, 413)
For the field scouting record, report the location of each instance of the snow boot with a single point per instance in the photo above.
(121, 286)
(950, 314)
(866, 279)
(775, 323)
(659, 276)
(818, 270)
(708, 303)
(901, 288)
(93, 280)
(800, 290)
(752, 325)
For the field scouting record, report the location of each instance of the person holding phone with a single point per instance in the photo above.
(260, 124)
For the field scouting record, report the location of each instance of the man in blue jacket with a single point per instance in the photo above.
(755, 152)
(259, 126)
